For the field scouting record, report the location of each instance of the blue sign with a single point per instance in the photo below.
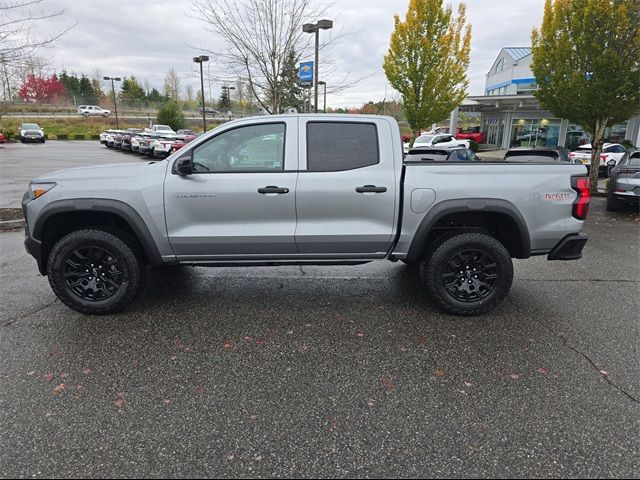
(306, 73)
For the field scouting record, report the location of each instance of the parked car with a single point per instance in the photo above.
(160, 129)
(127, 136)
(437, 154)
(31, 132)
(537, 155)
(624, 181)
(146, 143)
(163, 146)
(470, 134)
(442, 140)
(610, 151)
(104, 135)
(117, 139)
(182, 141)
(348, 199)
(92, 110)
(185, 131)
(135, 141)
(3, 138)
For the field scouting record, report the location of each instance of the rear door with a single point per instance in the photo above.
(239, 203)
(346, 189)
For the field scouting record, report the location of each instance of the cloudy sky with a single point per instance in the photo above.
(147, 37)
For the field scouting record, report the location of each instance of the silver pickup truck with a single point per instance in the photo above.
(302, 190)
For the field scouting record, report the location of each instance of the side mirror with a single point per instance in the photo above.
(611, 163)
(183, 166)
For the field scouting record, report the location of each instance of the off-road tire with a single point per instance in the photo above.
(120, 247)
(436, 264)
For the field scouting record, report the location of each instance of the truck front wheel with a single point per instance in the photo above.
(468, 274)
(94, 271)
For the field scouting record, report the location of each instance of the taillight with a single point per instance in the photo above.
(582, 185)
(603, 157)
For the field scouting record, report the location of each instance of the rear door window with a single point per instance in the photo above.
(338, 146)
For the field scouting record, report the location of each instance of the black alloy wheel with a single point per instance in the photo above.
(92, 273)
(471, 275)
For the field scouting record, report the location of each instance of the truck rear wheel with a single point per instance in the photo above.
(468, 274)
(95, 272)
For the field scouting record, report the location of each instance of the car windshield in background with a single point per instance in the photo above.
(424, 139)
(529, 156)
(427, 156)
(30, 126)
(634, 161)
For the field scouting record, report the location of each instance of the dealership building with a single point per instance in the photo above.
(512, 116)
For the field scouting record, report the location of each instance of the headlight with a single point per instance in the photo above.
(38, 189)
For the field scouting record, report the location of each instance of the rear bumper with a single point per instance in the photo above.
(569, 248)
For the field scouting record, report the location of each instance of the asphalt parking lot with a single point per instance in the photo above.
(328, 371)
(19, 163)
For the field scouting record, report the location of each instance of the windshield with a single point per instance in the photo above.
(424, 139)
(528, 156)
(30, 126)
(427, 156)
(163, 127)
(634, 161)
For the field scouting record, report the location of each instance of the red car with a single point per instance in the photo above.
(470, 134)
(2, 138)
(181, 142)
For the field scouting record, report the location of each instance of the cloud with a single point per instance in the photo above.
(147, 37)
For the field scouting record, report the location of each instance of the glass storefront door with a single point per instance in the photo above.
(535, 132)
(493, 129)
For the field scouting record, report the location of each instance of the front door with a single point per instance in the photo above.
(240, 199)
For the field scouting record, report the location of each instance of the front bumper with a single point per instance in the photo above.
(569, 248)
(31, 245)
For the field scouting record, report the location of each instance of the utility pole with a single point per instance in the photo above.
(113, 90)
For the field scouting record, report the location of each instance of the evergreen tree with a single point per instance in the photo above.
(131, 92)
(292, 94)
(224, 104)
(86, 92)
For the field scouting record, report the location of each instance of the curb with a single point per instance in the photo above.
(7, 225)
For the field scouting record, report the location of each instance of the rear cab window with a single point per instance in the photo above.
(339, 146)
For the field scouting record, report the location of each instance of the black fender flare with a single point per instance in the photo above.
(116, 207)
(480, 205)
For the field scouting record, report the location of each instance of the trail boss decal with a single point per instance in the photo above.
(558, 196)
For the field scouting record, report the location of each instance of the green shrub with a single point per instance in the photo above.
(62, 136)
(79, 137)
(628, 144)
(171, 114)
(10, 133)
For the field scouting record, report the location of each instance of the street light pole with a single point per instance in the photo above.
(315, 28)
(324, 103)
(209, 80)
(113, 90)
(200, 60)
(228, 90)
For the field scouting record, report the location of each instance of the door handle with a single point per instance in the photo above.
(273, 189)
(371, 189)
